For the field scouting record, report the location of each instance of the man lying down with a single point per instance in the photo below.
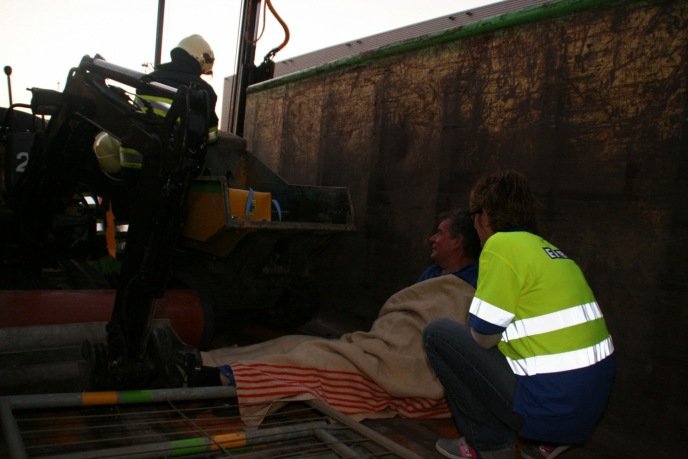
(378, 373)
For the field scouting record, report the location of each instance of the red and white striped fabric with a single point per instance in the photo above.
(379, 373)
(348, 392)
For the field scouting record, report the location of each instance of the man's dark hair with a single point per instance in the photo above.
(508, 199)
(461, 223)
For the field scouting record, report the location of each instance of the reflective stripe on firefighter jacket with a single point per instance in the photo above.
(161, 105)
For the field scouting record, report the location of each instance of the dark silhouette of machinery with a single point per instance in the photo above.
(207, 217)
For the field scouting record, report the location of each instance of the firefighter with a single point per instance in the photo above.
(190, 59)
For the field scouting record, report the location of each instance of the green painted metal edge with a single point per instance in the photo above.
(555, 9)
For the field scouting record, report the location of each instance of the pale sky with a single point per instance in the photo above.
(42, 39)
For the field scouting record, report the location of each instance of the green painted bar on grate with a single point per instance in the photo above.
(189, 446)
(135, 396)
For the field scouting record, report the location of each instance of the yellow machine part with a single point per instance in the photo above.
(210, 209)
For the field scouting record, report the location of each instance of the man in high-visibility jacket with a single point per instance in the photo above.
(536, 359)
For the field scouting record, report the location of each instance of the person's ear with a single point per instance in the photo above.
(486, 221)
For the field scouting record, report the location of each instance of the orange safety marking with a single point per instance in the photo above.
(230, 440)
(99, 398)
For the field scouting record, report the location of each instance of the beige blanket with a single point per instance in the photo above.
(375, 374)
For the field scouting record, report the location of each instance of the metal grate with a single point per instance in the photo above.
(202, 422)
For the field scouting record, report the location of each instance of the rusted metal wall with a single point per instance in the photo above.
(590, 103)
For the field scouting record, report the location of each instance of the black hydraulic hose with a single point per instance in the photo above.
(8, 72)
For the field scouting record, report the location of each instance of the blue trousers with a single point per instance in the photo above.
(479, 385)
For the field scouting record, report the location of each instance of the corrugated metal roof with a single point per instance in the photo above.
(350, 48)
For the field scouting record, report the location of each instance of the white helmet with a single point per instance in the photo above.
(200, 50)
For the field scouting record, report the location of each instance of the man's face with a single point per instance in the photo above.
(442, 245)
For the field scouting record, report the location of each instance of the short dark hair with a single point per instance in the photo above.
(507, 198)
(461, 223)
